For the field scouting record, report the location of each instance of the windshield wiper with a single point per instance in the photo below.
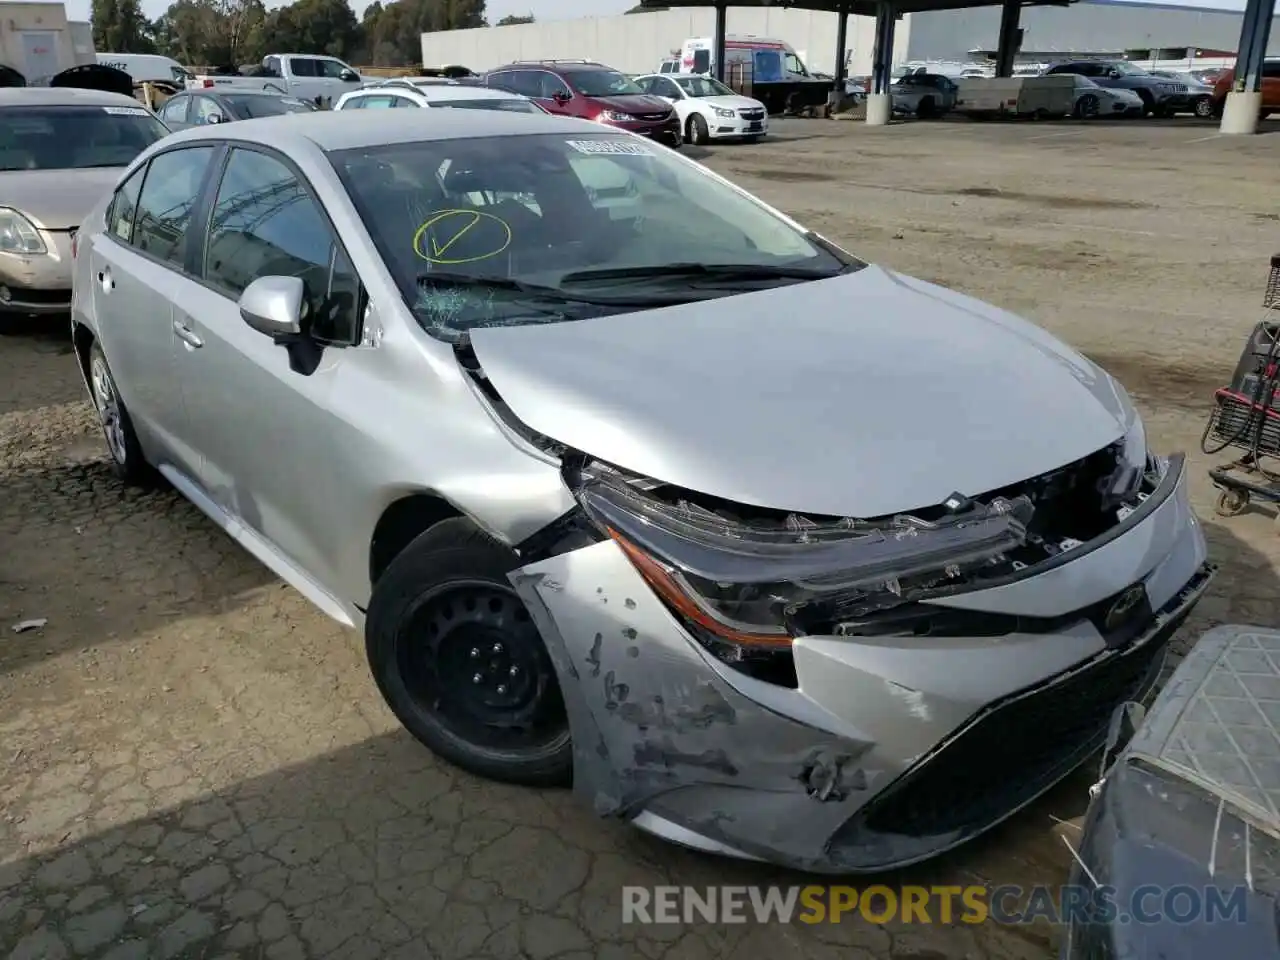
(539, 291)
(718, 271)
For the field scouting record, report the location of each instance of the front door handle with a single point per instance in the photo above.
(186, 334)
(104, 278)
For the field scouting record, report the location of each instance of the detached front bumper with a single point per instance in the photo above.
(888, 750)
(39, 284)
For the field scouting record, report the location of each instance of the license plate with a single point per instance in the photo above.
(755, 125)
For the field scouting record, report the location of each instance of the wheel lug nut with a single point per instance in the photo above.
(513, 671)
(497, 648)
(502, 689)
(477, 679)
(475, 653)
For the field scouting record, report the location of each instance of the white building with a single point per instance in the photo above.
(37, 40)
(638, 42)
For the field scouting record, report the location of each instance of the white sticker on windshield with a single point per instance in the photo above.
(620, 146)
(125, 111)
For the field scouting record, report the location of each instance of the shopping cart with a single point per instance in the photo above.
(1246, 414)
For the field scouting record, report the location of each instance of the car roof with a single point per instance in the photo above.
(461, 91)
(63, 97)
(351, 129)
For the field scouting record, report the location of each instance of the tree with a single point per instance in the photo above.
(212, 32)
(512, 19)
(119, 27)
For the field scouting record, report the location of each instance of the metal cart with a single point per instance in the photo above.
(1246, 415)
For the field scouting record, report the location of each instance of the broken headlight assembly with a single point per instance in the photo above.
(746, 587)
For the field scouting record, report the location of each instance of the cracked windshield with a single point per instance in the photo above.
(480, 234)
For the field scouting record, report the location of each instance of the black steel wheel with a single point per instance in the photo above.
(461, 663)
(1231, 502)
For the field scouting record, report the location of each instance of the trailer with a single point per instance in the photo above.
(1038, 97)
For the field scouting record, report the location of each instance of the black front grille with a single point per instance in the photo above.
(653, 116)
(1013, 751)
(752, 114)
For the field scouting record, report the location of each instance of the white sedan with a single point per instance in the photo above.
(1095, 100)
(708, 110)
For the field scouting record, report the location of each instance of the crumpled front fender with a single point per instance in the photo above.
(656, 729)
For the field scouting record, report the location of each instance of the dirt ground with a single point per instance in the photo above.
(196, 763)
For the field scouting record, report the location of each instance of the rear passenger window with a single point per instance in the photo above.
(265, 223)
(168, 195)
(304, 67)
(124, 205)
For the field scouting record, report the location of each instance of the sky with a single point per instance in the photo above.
(559, 9)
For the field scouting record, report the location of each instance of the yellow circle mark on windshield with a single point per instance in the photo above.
(437, 236)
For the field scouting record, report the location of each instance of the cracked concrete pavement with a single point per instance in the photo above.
(196, 763)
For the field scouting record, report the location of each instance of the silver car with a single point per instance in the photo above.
(771, 551)
(61, 151)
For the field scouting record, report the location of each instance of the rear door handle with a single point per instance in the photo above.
(186, 334)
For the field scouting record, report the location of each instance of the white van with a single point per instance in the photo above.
(147, 67)
(777, 76)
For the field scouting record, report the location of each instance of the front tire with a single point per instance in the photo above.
(699, 132)
(460, 662)
(1087, 106)
(127, 460)
(1204, 107)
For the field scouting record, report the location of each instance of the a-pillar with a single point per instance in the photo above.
(1010, 37)
(1243, 105)
(842, 68)
(879, 100)
(718, 42)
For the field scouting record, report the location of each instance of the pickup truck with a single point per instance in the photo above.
(318, 79)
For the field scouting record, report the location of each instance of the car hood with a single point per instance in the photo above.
(862, 395)
(730, 103)
(56, 199)
(634, 104)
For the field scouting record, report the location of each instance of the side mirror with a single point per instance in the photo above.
(1113, 74)
(273, 305)
(561, 96)
(349, 76)
(215, 118)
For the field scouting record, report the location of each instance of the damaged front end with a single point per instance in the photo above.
(783, 687)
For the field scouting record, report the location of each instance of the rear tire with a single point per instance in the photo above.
(127, 460)
(1148, 103)
(460, 662)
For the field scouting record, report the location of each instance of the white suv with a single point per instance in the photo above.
(433, 93)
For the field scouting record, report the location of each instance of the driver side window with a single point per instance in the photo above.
(266, 223)
(175, 111)
(205, 107)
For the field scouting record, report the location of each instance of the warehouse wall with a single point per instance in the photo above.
(638, 42)
(35, 39)
(1098, 27)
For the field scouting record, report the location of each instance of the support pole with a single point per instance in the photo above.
(717, 42)
(879, 101)
(1010, 37)
(1244, 102)
(842, 68)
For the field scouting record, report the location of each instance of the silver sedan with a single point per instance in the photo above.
(769, 550)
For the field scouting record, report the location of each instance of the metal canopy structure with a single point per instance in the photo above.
(886, 14)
